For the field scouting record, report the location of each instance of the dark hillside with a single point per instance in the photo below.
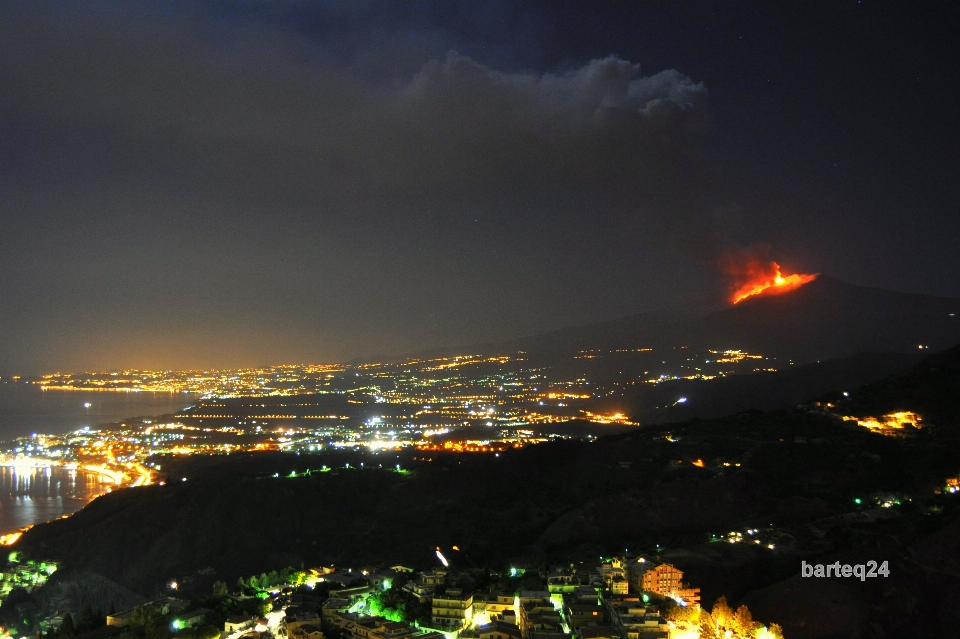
(824, 320)
(931, 388)
(705, 399)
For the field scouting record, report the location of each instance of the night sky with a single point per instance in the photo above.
(222, 184)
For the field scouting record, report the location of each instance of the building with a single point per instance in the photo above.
(190, 619)
(610, 574)
(307, 631)
(493, 604)
(549, 635)
(425, 584)
(380, 628)
(234, 624)
(499, 630)
(561, 579)
(619, 585)
(582, 613)
(452, 610)
(667, 581)
(162, 606)
(538, 614)
(598, 632)
(295, 618)
(635, 570)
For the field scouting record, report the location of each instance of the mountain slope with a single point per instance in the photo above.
(826, 319)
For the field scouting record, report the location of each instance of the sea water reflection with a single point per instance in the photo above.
(35, 495)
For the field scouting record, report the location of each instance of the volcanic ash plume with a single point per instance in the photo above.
(752, 273)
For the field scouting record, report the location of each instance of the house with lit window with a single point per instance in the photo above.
(237, 623)
(581, 613)
(667, 581)
(493, 603)
(452, 610)
(307, 631)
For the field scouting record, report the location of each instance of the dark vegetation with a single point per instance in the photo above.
(794, 473)
(788, 387)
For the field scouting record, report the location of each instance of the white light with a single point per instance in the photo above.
(443, 559)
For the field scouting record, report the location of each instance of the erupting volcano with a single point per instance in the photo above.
(752, 272)
(771, 282)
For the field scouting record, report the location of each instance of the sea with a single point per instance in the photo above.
(35, 495)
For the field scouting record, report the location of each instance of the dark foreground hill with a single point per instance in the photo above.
(706, 399)
(794, 474)
(824, 320)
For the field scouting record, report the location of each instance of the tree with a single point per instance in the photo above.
(708, 629)
(67, 629)
(87, 620)
(157, 628)
(142, 616)
(722, 613)
(220, 589)
(776, 631)
(205, 631)
(743, 623)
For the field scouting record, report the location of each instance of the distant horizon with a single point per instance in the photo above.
(459, 350)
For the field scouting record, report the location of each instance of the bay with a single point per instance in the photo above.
(35, 495)
(27, 408)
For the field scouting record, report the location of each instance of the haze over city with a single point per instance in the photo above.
(191, 185)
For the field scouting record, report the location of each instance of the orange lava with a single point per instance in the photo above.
(773, 285)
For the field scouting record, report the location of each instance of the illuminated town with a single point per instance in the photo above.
(624, 597)
(461, 404)
(396, 418)
(458, 404)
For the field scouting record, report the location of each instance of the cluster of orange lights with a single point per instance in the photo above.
(467, 447)
(890, 424)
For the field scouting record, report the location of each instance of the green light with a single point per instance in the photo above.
(387, 584)
(857, 501)
(646, 598)
(513, 572)
(14, 556)
(176, 625)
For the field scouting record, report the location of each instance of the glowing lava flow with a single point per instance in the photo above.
(775, 284)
